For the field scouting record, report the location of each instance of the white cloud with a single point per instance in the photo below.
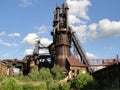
(7, 44)
(92, 33)
(28, 51)
(14, 35)
(30, 40)
(110, 28)
(91, 56)
(45, 41)
(78, 17)
(2, 33)
(25, 3)
(81, 32)
(72, 19)
(104, 29)
(78, 10)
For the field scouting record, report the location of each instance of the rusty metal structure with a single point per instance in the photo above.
(59, 50)
(63, 36)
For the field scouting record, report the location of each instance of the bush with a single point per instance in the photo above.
(34, 74)
(65, 86)
(10, 84)
(24, 78)
(53, 85)
(57, 72)
(81, 81)
(44, 74)
(1, 77)
(42, 86)
(28, 87)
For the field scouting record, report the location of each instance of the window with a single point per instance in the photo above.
(77, 71)
(73, 71)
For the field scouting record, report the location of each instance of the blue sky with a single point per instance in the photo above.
(96, 23)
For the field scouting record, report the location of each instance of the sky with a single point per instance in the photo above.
(96, 23)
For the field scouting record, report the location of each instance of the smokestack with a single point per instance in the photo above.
(65, 14)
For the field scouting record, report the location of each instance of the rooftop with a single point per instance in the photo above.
(75, 62)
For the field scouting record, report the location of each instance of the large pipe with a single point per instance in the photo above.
(65, 14)
(57, 16)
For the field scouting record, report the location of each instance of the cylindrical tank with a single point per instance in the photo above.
(62, 48)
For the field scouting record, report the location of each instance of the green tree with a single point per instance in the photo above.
(34, 74)
(65, 86)
(53, 85)
(81, 80)
(44, 74)
(57, 72)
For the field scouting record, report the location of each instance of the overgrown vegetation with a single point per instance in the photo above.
(46, 79)
(41, 86)
(81, 81)
(10, 84)
(57, 73)
(43, 79)
(1, 78)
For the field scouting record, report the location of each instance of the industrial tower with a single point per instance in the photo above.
(59, 51)
(63, 36)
